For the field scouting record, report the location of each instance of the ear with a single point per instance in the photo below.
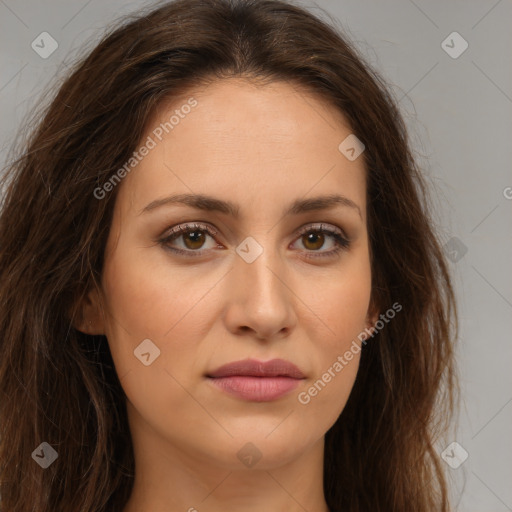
(88, 316)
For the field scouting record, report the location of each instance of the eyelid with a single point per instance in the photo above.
(176, 231)
(321, 226)
(306, 228)
(189, 226)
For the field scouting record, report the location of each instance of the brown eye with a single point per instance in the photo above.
(313, 241)
(194, 239)
(190, 239)
(319, 236)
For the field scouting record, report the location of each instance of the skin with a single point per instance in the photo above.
(261, 147)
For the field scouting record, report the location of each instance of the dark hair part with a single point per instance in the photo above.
(59, 385)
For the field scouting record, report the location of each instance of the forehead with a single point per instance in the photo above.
(257, 144)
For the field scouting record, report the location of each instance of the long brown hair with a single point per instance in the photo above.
(59, 385)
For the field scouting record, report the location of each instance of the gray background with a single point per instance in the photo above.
(459, 113)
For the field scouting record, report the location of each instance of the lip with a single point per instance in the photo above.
(257, 381)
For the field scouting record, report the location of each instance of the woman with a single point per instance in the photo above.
(220, 285)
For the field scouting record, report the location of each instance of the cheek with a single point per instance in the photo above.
(146, 301)
(341, 302)
(170, 309)
(342, 307)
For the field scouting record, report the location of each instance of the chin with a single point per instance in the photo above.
(261, 450)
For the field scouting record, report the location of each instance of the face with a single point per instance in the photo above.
(258, 271)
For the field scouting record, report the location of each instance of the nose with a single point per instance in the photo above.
(260, 302)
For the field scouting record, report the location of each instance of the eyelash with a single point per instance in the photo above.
(342, 243)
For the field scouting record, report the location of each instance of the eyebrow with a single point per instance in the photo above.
(212, 204)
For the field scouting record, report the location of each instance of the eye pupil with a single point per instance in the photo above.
(317, 239)
(197, 239)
